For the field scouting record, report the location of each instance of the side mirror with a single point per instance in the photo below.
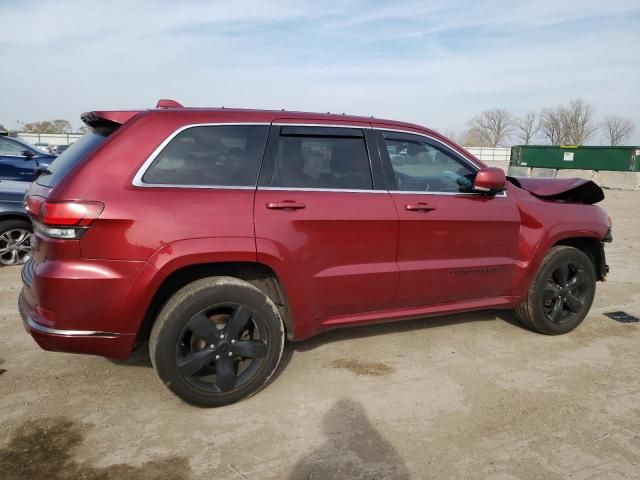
(28, 154)
(490, 180)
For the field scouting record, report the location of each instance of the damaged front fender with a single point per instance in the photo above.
(570, 190)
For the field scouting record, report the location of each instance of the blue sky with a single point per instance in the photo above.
(436, 63)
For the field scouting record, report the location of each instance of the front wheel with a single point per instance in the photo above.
(561, 294)
(216, 341)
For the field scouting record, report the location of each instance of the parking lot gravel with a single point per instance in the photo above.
(463, 396)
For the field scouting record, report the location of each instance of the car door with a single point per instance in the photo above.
(453, 245)
(14, 165)
(322, 222)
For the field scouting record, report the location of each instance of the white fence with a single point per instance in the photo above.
(490, 154)
(50, 138)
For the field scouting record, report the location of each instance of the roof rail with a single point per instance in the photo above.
(167, 103)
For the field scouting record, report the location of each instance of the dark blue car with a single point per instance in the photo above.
(15, 227)
(19, 160)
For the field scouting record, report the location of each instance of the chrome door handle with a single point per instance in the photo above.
(285, 205)
(419, 207)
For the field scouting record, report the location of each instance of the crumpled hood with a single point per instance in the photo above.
(572, 190)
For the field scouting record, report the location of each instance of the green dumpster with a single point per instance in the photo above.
(621, 159)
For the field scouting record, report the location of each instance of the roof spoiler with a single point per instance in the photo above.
(106, 122)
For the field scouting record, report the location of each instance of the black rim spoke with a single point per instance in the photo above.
(556, 310)
(250, 349)
(202, 327)
(225, 374)
(573, 303)
(195, 362)
(578, 280)
(240, 318)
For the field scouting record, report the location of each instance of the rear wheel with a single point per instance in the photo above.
(561, 294)
(15, 242)
(216, 341)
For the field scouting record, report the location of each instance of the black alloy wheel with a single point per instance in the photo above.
(216, 341)
(221, 347)
(561, 293)
(566, 293)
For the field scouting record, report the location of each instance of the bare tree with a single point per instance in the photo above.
(550, 125)
(577, 122)
(526, 127)
(61, 126)
(55, 126)
(491, 127)
(617, 129)
(469, 139)
(572, 124)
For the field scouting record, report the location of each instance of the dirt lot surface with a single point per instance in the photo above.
(464, 396)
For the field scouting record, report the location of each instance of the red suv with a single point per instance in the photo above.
(216, 233)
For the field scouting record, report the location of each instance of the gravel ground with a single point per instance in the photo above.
(472, 395)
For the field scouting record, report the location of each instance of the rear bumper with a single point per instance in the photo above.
(80, 306)
(106, 344)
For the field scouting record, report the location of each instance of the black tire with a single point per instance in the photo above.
(561, 294)
(15, 250)
(218, 340)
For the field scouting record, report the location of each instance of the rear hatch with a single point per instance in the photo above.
(60, 223)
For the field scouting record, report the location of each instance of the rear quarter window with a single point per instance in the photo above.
(64, 163)
(216, 155)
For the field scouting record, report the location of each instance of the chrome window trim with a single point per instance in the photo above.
(137, 179)
(336, 190)
(407, 192)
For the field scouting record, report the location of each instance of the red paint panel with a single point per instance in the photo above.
(462, 248)
(335, 256)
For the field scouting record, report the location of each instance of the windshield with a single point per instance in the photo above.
(71, 157)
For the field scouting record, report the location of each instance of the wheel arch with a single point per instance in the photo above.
(593, 248)
(257, 274)
(7, 216)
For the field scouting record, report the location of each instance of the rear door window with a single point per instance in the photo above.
(321, 157)
(216, 155)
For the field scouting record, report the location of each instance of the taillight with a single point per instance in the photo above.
(80, 214)
(62, 219)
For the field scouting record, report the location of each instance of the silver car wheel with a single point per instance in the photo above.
(15, 246)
